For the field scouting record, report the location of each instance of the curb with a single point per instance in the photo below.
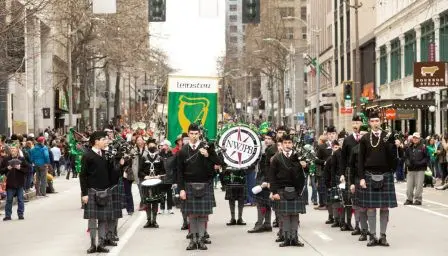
(30, 196)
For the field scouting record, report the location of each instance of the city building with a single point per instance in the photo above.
(411, 31)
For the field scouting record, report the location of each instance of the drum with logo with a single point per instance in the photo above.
(152, 191)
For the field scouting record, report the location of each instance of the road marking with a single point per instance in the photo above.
(323, 236)
(425, 210)
(127, 235)
(425, 200)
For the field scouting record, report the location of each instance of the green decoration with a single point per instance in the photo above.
(264, 127)
(75, 150)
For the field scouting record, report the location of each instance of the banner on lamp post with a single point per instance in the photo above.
(190, 100)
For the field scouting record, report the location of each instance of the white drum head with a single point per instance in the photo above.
(151, 182)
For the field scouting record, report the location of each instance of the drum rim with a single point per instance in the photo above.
(155, 181)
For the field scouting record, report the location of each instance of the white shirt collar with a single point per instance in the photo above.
(196, 144)
(96, 150)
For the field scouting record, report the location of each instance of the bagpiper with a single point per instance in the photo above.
(287, 182)
(376, 163)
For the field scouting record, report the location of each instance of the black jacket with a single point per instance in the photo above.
(15, 178)
(145, 167)
(286, 172)
(416, 157)
(375, 156)
(347, 146)
(332, 179)
(323, 154)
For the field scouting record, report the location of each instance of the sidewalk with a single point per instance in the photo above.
(30, 196)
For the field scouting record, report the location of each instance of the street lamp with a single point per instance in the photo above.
(276, 41)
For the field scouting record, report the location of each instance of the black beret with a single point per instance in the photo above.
(151, 140)
(97, 135)
(282, 128)
(270, 134)
(331, 128)
(286, 137)
(374, 114)
(357, 117)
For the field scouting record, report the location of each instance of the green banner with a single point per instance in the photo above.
(192, 99)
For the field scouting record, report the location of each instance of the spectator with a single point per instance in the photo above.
(15, 168)
(40, 158)
(417, 159)
(56, 158)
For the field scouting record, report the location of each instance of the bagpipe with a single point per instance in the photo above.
(120, 148)
(305, 152)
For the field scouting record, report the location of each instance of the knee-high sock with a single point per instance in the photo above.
(363, 219)
(232, 209)
(348, 215)
(267, 216)
(102, 231)
(240, 208)
(336, 215)
(384, 219)
(194, 224)
(294, 226)
(112, 228)
(330, 210)
(154, 212)
(202, 222)
(286, 227)
(93, 227)
(260, 215)
(356, 209)
(371, 218)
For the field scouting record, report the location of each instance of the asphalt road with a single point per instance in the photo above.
(54, 226)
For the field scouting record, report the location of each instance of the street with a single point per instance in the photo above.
(54, 226)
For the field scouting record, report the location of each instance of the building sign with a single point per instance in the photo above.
(46, 113)
(429, 74)
(432, 52)
(406, 114)
(368, 91)
(346, 110)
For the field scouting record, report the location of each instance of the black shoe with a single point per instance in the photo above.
(206, 240)
(148, 224)
(280, 239)
(21, 217)
(356, 232)
(373, 241)
(110, 243)
(275, 224)
(329, 221)
(184, 226)
(92, 249)
(256, 229)
(408, 202)
(115, 238)
(190, 236)
(296, 242)
(315, 203)
(155, 225)
(241, 222)
(201, 245)
(286, 242)
(383, 241)
(347, 227)
(267, 228)
(336, 224)
(6, 218)
(363, 236)
(206, 235)
(417, 202)
(101, 249)
(192, 245)
(231, 223)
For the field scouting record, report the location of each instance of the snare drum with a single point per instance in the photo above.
(152, 191)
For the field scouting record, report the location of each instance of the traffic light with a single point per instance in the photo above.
(157, 10)
(348, 90)
(251, 11)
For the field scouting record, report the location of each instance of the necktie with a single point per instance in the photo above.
(194, 147)
(357, 137)
(99, 153)
(288, 154)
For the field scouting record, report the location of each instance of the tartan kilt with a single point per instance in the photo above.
(235, 192)
(383, 198)
(322, 188)
(284, 206)
(117, 201)
(198, 206)
(355, 196)
(93, 211)
(346, 197)
(262, 199)
(213, 194)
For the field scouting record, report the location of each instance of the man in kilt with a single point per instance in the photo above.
(376, 163)
(97, 191)
(349, 143)
(332, 182)
(235, 191)
(287, 182)
(355, 189)
(195, 173)
(262, 199)
(152, 167)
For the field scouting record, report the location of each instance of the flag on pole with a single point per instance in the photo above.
(104, 6)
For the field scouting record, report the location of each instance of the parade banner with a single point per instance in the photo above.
(192, 99)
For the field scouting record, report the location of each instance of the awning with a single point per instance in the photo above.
(400, 104)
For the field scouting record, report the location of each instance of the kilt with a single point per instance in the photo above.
(322, 188)
(122, 193)
(198, 206)
(355, 196)
(213, 194)
(93, 211)
(262, 199)
(284, 206)
(118, 200)
(235, 192)
(384, 198)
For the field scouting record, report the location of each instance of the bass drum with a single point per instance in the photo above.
(241, 144)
